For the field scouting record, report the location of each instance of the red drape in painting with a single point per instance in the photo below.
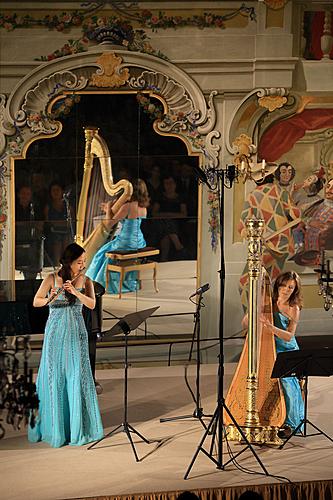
(281, 137)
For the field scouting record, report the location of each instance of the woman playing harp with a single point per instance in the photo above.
(98, 186)
(129, 238)
(275, 410)
(287, 304)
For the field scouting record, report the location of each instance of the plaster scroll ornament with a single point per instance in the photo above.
(174, 94)
(111, 73)
(9, 127)
(35, 106)
(326, 158)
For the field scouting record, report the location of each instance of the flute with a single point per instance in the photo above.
(61, 290)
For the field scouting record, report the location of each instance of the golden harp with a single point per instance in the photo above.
(255, 400)
(96, 147)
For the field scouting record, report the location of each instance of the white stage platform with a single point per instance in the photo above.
(38, 472)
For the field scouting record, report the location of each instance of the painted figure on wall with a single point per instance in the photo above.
(317, 230)
(271, 202)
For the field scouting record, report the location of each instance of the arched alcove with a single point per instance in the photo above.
(37, 110)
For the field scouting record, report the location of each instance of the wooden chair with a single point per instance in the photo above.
(123, 262)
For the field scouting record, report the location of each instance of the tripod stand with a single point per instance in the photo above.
(198, 411)
(216, 428)
(126, 325)
(302, 364)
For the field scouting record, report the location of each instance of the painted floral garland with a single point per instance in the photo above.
(133, 39)
(145, 18)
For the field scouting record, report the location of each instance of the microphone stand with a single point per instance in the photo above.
(198, 411)
(69, 219)
(32, 219)
(216, 427)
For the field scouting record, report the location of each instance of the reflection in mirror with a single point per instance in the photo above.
(48, 185)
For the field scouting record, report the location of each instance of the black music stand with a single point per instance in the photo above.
(126, 325)
(302, 364)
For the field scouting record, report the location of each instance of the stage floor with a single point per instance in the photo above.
(38, 472)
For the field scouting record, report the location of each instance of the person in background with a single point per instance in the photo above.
(58, 215)
(154, 184)
(170, 209)
(68, 407)
(28, 233)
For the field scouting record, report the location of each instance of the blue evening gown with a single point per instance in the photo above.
(129, 239)
(68, 408)
(290, 385)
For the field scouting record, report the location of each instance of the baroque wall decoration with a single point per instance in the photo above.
(124, 27)
(33, 110)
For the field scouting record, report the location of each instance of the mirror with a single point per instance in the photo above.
(48, 184)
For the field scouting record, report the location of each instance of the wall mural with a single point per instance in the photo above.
(294, 196)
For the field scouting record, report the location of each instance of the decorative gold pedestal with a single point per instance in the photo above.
(255, 435)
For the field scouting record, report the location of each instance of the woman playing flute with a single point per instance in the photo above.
(68, 407)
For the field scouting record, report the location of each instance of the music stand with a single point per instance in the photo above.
(125, 325)
(302, 364)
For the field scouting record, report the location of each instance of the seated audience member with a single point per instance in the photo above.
(28, 233)
(169, 210)
(154, 184)
(58, 215)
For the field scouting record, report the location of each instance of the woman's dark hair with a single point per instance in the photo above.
(140, 193)
(55, 183)
(71, 253)
(296, 296)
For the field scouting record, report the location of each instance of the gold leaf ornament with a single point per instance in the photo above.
(110, 74)
(272, 102)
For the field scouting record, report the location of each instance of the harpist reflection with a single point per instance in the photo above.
(129, 238)
(136, 152)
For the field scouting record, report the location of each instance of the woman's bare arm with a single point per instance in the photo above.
(288, 334)
(110, 218)
(41, 298)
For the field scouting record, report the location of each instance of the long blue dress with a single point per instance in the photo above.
(290, 385)
(68, 408)
(130, 238)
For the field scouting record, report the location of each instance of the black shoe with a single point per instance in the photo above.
(98, 387)
(285, 432)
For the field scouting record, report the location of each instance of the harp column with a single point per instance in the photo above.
(88, 164)
(254, 236)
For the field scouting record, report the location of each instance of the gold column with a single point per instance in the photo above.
(254, 236)
(250, 423)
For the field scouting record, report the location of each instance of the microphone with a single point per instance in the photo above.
(66, 194)
(200, 290)
(32, 210)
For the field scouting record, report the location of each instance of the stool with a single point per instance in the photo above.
(131, 261)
